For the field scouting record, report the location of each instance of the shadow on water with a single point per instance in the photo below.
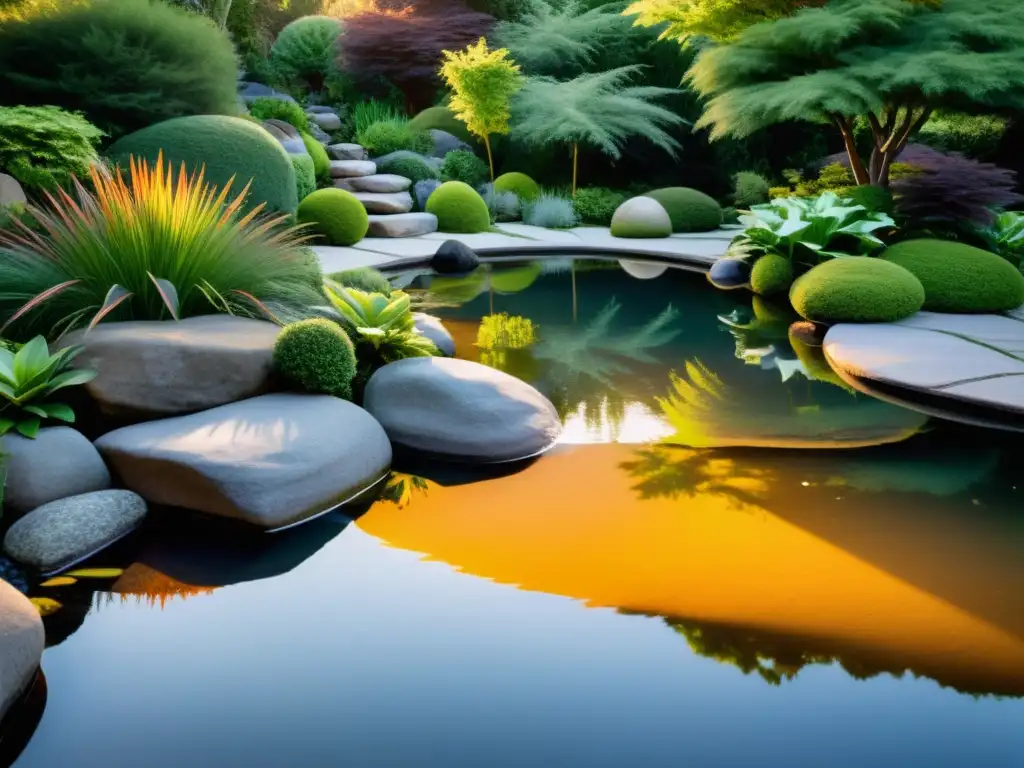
(22, 720)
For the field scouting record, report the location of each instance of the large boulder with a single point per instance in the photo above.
(433, 329)
(59, 534)
(445, 142)
(379, 182)
(402, 224)
(461, 410)
(272, 461)
(454, 257)
(59, 462)
(21, 645)
(641, 217)
(150, 367)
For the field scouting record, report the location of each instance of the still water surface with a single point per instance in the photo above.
(735, 562)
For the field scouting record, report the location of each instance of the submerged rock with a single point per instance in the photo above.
(21, 645)
(729, 274)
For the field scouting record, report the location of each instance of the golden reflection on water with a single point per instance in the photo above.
(748, 554)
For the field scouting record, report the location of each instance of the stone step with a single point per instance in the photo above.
(348, 152)
(344, 169)
(326, 120)
(402, 225)
(379, 182)
(385, 202)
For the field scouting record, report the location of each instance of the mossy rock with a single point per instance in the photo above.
(641, 217)
(857, 289)
(459, 209)
(335, 215)
(321, 161)
(442, 119)
(689, 209)
(364, 279)
(226, 147)
(959, 278)
(305, 176)
(771, 274)
(523, 186)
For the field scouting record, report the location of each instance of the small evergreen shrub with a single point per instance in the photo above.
(335, 215)
(393, 136)
(462, 165)
(305, 51)
(305, 176)
(459, 209)
(43, 147)
(525, 188)
(317, 356)
(597, 205)
(267, 108)
(503, 206)
(750, 189)
(321, 161)
(442, 119)
(409, 165)
(857, 289)
(771, 274)
(366, 113)
(422, 190)
(689, 209)
(551, 212)
(365, 279)
(976, 136)
(958, 277)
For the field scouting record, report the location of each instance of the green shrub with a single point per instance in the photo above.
(442, 119)
(690, 210)
(159, 247)
(227, 147)
(459, 209)
(976, 136)
(305, 51)
(857, 289)
(42, 147)
(411, 166)
(730, 216)
(268, 108)
(124, 64)
(462, 165)
(597, 205)
(366, 113)
(525, 188)
(771, 274)
(503, 206)
(305, 176)
(874, 199)
(321, 160)
(958, 277)
(364, 279)
(318, 356)
(750, 189)
(336, 215)
(393, 136)
(551, 212)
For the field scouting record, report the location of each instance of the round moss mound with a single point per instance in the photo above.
(411, 166)
(459, 209)
(364, 279)
(772, 274)
(321, 162)
(958, 277)
(336, 215)
(227, 147)
(689, 209)
(858, 289)
(442, 119)
(317, 356)
(522, 185)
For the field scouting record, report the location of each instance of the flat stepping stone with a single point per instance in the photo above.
(21, 645)
(329, 121)
(978, 359)
(402, 224)
(344, 151)
(272, 461)
(385, 202)
(62, 533)
(379, 182)
(346, 169)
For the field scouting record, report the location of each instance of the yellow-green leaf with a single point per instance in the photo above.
(45, 605)
(96, 573)
(60, 581)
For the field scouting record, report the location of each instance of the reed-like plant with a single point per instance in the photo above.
(156, 245)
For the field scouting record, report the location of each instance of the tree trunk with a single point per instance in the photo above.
(575, 165)
(860, 173)
(490, 157)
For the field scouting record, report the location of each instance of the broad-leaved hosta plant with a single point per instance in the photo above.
(808, 230)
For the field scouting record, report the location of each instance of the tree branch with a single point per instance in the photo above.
(856, 164)
(876, 129)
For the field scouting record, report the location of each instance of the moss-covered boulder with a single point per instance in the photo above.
(689, 209)
(335, 215)
(641, 217)
(523, 186)
(771, 274)
(958, 277)
(459, 209)
(858, 289)
(442, 119)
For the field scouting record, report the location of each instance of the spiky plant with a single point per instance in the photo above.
(597, 110)
(153, 246)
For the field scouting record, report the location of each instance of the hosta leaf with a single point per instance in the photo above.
(28, 427)
(59, 581)
(96, 573)
(45, 605)
(35, 410)
(6, 425)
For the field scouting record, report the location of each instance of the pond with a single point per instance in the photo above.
(730, 559)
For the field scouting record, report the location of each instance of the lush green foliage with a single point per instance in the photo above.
(442, 119)
(393, 136)
(305, 51)
(411, 166)
(124, 64)
(335, 215)
(366, 279)
(719, 20)
(958, 277)
(807, 230)
(305, 176)
(504, 10)
(689, 209)
(21, 10)
(316, 355)
(269, 108)
(550, 211)
(858, 289)
(976, 136)
(875, 199)
(459, 209)
(42, 147)
(463, 165)
(771, 274)
(148, 247)
(227, 147)
(28, 378)
(321, 161)
(1006, 237)
(597, 205)
(366, 113)
(750, 189)
(525, 188)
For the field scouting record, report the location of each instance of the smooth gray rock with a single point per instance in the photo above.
(11, 191)
(21, 645)
(60, 462)
(422, 190)
(454, 257)
(385, 202)
(345, 169)
(280, 129)
(345, 151)
(315, 109)
(379, 182)
(294, 147)
(154, 367)
(445, 142)
(461, 410)
(326, 120)
(641, 217)
(434, 329)
(59, 534)
(402, 224)
(319, 134)
(249, 92)
(272, 461)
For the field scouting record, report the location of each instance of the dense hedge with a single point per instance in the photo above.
(336, 215)
(689, 209)
(305, 51)
(857, 289)
(305, 176)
